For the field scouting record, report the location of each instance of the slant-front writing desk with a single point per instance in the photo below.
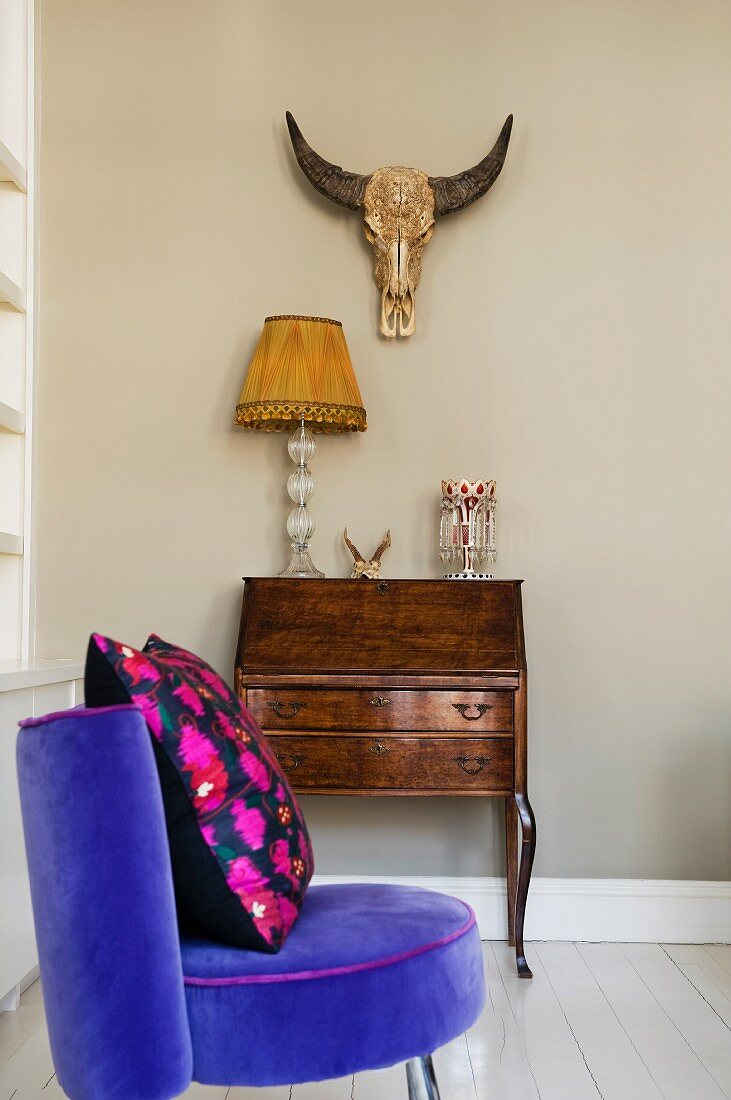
(396, 688)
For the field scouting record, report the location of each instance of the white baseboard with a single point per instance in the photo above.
(10, 1002)
(32, 976)
(611, 909)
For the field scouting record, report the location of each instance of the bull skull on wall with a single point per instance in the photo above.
(399, 207)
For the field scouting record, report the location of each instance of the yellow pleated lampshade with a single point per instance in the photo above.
(301, 369)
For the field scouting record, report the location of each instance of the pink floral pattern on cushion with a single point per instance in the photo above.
(245, 809)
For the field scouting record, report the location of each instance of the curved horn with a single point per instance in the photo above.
(353, 549)
(452, 193)
(383, 547)
(330, 180)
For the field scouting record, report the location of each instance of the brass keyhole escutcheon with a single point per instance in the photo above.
(289, 760)
(481, 709)
(382, 587)
(379, 749)
(285, 710)
(473, 765)
(380, 701)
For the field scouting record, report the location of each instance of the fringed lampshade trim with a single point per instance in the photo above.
(278, 416)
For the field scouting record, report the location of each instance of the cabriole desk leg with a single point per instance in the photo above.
(528, 851)
(527, 820)
(511, 862)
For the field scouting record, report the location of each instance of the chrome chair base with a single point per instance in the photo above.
(422, 1080)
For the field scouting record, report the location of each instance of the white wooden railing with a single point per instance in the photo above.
(26, 688)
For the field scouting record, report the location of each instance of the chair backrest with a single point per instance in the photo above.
(103, 905)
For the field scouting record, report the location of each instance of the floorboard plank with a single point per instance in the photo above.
(610, 1056)
(454, 1072)
(721, 952)
(381, 1084)
(52, 1090)
(497, 1053)
(340, 1088)
(29, 1070)
(707, 1035)
(672, 1064)
(216, 1092)
(552, 1051)
(15, 1027)
(279, 1092)
(711, 980)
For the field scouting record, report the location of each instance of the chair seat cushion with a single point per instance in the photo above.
(369, 976)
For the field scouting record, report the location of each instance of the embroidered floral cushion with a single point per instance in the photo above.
(240, 850)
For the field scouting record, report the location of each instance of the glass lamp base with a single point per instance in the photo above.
(468, 577)
(301, 564)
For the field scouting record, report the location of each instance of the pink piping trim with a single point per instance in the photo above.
(336, 971)
(76, 712)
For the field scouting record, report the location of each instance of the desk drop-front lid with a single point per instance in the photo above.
(367, 627)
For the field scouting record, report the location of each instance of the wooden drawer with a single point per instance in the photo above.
(467, 712)
(396, 764)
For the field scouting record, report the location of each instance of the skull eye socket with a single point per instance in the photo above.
(372, 226)
(426, 226)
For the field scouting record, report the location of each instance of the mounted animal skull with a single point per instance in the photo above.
(399, 206)
(367, 570)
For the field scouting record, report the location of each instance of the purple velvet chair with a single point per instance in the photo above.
(370, 975)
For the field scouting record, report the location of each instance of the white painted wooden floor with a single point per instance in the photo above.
(618, 1021)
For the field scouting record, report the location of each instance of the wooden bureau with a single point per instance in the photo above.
(396, 688)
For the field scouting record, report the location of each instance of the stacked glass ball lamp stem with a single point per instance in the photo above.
(300, 486)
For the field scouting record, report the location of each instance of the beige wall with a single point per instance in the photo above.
(573, 342)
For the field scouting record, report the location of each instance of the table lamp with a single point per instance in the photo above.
(301, 380)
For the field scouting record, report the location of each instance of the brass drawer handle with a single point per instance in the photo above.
(290, 761)
(481, 709)
(380, 701)
(379, 749)
(473, 765)
(285, 710)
